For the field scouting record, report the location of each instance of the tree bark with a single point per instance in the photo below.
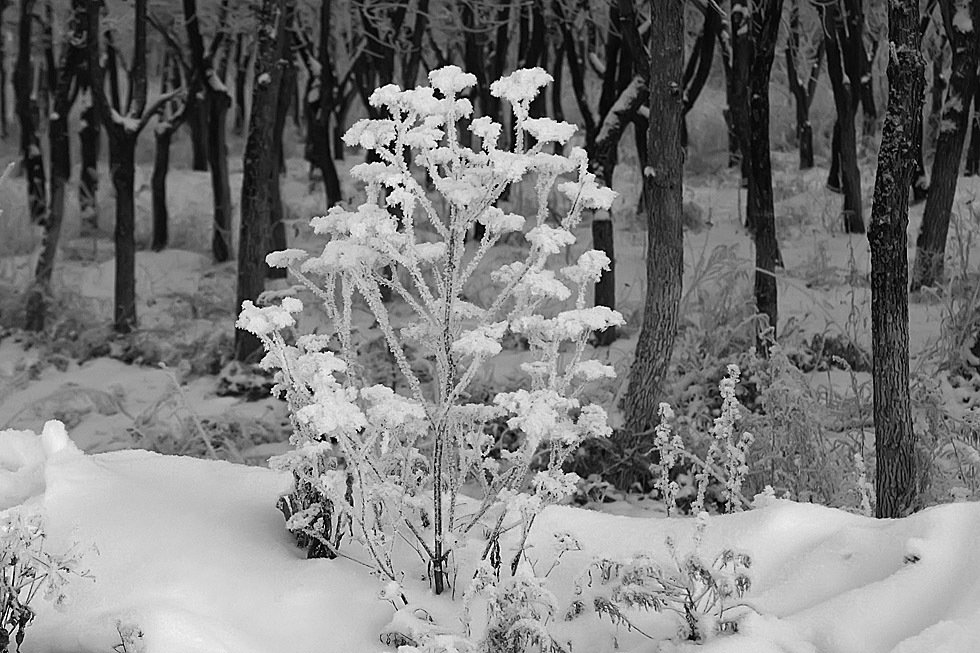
(27, 115)
(802, 90)
(169, 122)
(123, 134)
(216, 103)
(699, 64)
(158, 189)
(277, 241)
(4, 133)
(663, 187)
(328, 96)
(260, 168)
(72, 56)
(973, 152)
(931, 245)
(90, 140)
(760, 212)
(896, 473)
(845, 62)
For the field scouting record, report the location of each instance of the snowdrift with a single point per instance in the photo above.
(194, 554)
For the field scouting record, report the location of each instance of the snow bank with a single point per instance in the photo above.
(194, 554)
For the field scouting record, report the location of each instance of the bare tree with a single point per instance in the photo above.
(65, 91)
(169, 120)
(123, 130)
(896, 475)
(803, 89)
(931, 245)
(843, 24)
(261, 169)
(623, 92)
(28, 114)
(754, 28)
(698, 65)
(663, 187)
(217, 101)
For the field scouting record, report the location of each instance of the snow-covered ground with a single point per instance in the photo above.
(193, 554)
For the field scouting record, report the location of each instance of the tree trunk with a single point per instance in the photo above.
(122, 152)
(840, 50)
(896, 475)
(663, 187)
(869, 108)
(802, 90)
(241, 72)
(30, 140)
(738, 87)
(699, 64)
(287, 83)
(218, 103)
(90, 140)
(260, 167)
(760, 212)
(60, 151)
(920, 182)
(320, 128)
(4, 133)
(158, 188)
(123, 134)
(197, 124)
(931, 245)
(973, 153)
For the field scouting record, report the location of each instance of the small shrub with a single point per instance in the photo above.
(26, 569)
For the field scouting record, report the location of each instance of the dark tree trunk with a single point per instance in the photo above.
(869, 108)
(260, 168)
(699, 64)
(112, 67)
(90, 139)
(158, 188)
(218, 103)
(803, 90)
(920, 182)
(760, 212)
(169, 122)
(740, 63)
(663, 187)
(122, 155)
(72, 57)
(973, 152)
(197, 123)
(26, 105)
(319, 130)
(896, 474)
(123, 134)
(931, 244)
(844, 64)
(4, 133)
(288, 76)
(241, 72)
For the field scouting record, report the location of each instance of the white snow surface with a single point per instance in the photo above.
(194, 553)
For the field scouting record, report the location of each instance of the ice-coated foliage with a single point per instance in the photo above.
(28, 568)
(699, 590)
(386, 469)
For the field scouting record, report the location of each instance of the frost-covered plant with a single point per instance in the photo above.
(387, 467)
(27, 568)
(670, 446)
(516, 612)
(725, 447)
(699, 590)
